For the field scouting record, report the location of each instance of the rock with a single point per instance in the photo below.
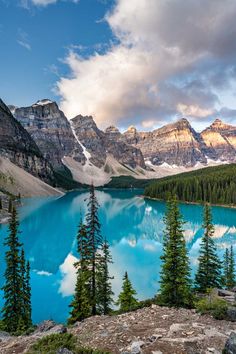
(51, 131)
(45, 326)
(100, 144)
(136, 347)
(179, 144)
(231, 314)
(220, 139)
(50, 326)
(64, 351)
(230, 345)
(17, 145)
(4, 336)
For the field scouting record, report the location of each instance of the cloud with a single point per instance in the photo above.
(23, 39)
(68, 271)
(26, 3)
(169, 58)
(43, 272)
(43, 2)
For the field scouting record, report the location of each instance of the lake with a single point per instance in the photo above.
(134, 228)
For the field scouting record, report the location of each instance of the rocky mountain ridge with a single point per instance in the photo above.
(100, 143)
(179, 144)
(51, 131)
(17, 145)
(87, 150)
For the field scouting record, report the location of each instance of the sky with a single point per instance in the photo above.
(141, 62)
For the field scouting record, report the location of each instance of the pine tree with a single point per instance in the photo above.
(81, 303)
(126, 299)
(12, 309)
(175, 289)
(226, 269)
(27, 297)
(105, 293)
(231, 270)
(209, 269)
(10, 206)
(95, 241)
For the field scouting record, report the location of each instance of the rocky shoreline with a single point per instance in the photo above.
(155, 330)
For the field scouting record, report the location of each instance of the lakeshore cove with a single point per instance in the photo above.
(133, 226)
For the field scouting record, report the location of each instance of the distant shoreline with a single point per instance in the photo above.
(192, 203)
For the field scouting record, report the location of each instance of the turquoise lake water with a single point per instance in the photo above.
(134, 228)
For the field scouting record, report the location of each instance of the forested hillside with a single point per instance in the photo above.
(216, 185)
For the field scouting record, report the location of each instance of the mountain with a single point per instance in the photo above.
(51, 131)
(93, 155)
(220, 138)
(179, 144)
(18, 146)
(101, 144)
(174, 144)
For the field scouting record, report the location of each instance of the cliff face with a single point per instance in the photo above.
(176, 143)
(179, 144)
(220, 138)
(19, 147)
(51, 131)
(99, 144)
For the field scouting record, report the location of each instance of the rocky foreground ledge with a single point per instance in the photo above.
(156, 330)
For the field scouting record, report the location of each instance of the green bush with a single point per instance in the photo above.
(51, 343)
(213, 306)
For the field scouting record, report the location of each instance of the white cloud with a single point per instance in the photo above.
(68, 272)
(43, 2)
(43, 272)
(23, 39)
(163, 59)
(193, 110)
(26, 3)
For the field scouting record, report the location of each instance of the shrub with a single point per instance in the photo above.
(213, 306)
(51, 343)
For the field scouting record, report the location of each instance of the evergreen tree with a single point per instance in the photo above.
(12, 309)
(226, 269)
(126, 299)
(95, 242)
(209, 269)
(105, 293)
(28, 305)
(81, 303)
(175, 289)
(10, 205)
(230, 280)
(0, 203)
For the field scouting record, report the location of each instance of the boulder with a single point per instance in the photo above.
(136, 347)
(230, 345)
(231, 314)
(64, 351)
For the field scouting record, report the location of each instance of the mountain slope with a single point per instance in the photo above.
(15, 180)
(95, 155)
(179, 144)
(220, 138)
(51, 131)
(18, 146)
(101, 144)
(175, 143)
